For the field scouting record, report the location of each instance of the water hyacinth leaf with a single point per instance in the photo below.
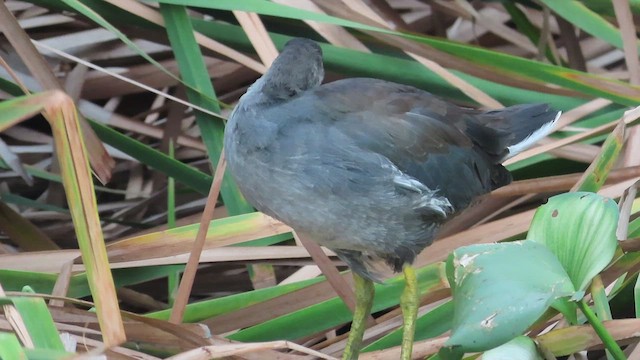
(580, 229)
(522, 348)
(495, 295)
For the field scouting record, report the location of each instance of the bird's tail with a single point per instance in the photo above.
(524, 124)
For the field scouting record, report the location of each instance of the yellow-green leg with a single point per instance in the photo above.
(364, 300)
(409, 305)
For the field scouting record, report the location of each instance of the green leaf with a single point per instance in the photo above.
(636, 296)
(185, 174)
(200, 92)
(582, 17)
(598, 171)
(521, 348)
(334, 312)
(38, 321)
(506, 66)
(499, 290)
(10, 347)
(269, 8)
(580, 229)
(202, 310)
(434, 323)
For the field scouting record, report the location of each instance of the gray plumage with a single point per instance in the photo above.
(368, 168)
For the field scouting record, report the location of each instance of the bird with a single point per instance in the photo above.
(368, 168)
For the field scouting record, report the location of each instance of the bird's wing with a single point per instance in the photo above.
(438, 144)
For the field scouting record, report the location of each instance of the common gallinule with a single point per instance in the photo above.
(368, 168)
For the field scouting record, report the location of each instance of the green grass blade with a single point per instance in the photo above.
(333, 312)
(636, 296)
(589, 21)
(598, 171)
(434, 323)
(499, 63)
(195, 74)
(39, 323)
(183, 173)
(10, 347)
(202, 310)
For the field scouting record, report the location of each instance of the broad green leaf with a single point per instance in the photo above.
(521, 348)
(10, 347)
(580, 229)
(499, 290)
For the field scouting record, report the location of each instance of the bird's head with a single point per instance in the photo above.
(298, 68)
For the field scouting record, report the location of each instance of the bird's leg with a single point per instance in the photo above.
(364, 299)
(409, 305)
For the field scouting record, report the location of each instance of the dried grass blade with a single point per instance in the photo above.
(17, 323)
(154, 16)
(625, 205)
(205, 353)
(23, 232)
(184, 291)
(630, 44)
(76, 178)
(58, 109)
(41, 71)
(258, 36)
(560, 182)
(336, 35)
(329, 270)
(629, 39)
(630, 118)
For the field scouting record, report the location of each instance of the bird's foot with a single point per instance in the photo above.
(364, 299)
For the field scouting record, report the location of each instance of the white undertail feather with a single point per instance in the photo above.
(543, 131)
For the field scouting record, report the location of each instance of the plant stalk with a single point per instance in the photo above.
(608, 340)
